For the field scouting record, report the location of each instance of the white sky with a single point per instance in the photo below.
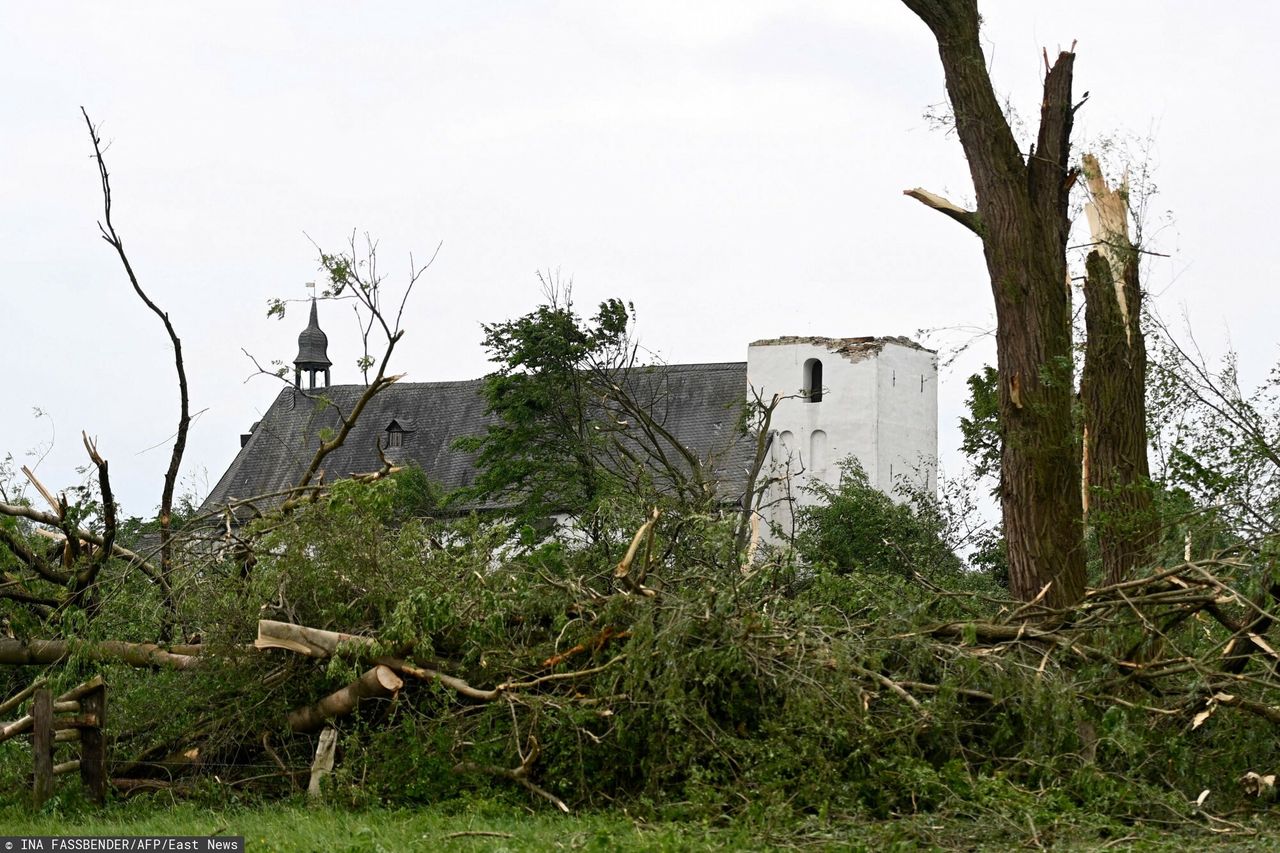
(735, 168)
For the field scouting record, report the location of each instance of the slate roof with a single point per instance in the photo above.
(700, 404)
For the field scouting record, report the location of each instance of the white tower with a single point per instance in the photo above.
(875, 399)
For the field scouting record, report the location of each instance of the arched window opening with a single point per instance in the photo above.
(818, 451)
(813, 380)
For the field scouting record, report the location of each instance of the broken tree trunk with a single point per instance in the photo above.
(379, 682)
(1117, 499)
(31, 652)
(1022, 220)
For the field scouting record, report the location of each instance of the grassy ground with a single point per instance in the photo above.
(495, 827)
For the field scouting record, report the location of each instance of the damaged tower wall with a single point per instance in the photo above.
(877, 402)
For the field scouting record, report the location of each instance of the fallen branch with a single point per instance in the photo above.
(519, 775)
(135, 559)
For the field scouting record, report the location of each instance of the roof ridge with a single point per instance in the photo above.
(459, 383)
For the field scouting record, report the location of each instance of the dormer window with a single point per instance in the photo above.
(813, 380)
(396, 432)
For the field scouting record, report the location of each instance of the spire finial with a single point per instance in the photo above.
(313, 349)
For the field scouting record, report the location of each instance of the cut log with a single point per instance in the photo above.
(377, 682)
(128, 787)
(312, 642)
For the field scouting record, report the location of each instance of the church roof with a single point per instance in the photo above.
(700, 404)
(313, 345)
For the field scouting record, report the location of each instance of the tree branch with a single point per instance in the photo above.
(184, 416)
(968, 218)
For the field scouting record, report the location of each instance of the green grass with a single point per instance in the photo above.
(302, 828)
(295, 827)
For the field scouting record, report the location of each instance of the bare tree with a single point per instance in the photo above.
(108, 230)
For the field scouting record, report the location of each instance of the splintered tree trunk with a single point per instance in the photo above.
(1022, 221)
(1113, 386)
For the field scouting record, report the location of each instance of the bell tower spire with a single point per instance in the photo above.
(313, 355)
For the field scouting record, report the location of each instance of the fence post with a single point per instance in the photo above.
(93, 745)
(42, 745)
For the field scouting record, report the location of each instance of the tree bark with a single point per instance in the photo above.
(1022, 220)
(1113, 387)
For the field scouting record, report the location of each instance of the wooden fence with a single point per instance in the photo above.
(76, 716)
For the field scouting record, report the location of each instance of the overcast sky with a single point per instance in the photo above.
(735, 168)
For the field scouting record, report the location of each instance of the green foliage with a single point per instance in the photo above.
(980, 431)
(753, 696)
(832, 692)
(1214, 444)
(541, 455)
(855, 527)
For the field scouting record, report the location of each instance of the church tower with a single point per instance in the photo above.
(873, 399)
(313, 355)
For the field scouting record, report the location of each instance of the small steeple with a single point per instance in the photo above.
(313, 356)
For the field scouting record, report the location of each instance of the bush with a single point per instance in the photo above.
(855, 527)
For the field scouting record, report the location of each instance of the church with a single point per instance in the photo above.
(872, 398)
